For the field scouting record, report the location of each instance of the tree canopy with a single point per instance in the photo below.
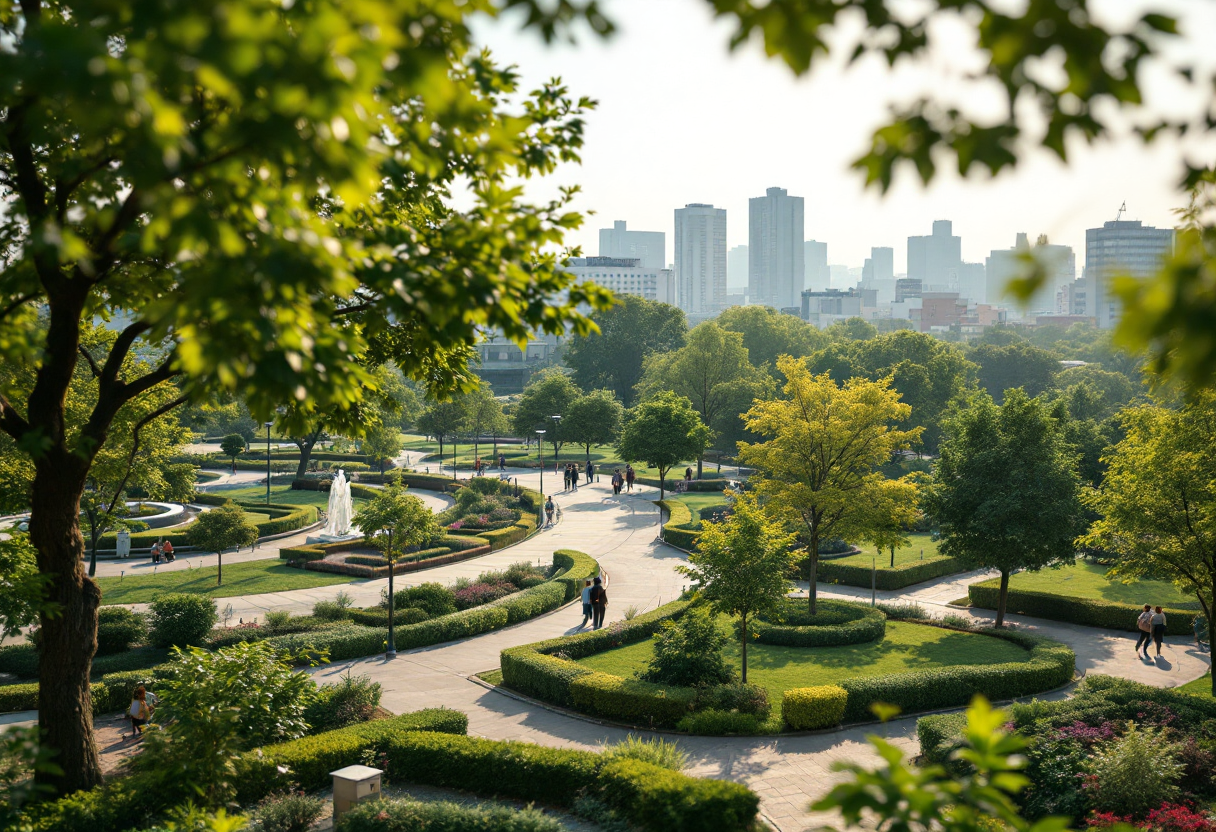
(593, 419)
(550, 393)
(768, 333)
(223, 527)
(628, 332)
(663, 431)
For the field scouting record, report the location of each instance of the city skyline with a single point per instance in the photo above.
(747, 124)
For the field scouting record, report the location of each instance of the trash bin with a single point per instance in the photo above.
(352, 785)
(123, 544)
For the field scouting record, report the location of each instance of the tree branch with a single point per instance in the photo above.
(122, 346)
(92, 364)
(12, 307)
(11, 421)
(155, 414)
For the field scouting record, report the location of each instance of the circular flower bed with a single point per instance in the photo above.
(835, 622)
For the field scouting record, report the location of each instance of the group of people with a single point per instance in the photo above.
(624, 480)
(162, 548)
(480, 465)
(572, 473)
(595, 604)
(1151, 624)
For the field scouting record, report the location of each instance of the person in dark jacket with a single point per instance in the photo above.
(599, 603)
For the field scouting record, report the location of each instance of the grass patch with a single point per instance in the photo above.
(697, 500)
(604, 456)
(961, 602)
(1087, 580)
(279, 495)
(908, 554)
(491, 677)
(1199, 687)
(907, 646)
(249, 578)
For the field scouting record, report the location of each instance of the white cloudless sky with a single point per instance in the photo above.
(682, 119)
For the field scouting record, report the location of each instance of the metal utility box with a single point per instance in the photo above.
(123, 544)
(354, 784)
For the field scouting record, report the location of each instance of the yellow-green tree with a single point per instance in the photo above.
(892, 509)
(823, 442)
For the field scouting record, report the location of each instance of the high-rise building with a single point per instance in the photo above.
(937, 259)
(838, 277)
(1121, 247)
(626, 276)
(972, 283)
(1004, 265)
(776, 268)
(880, 265)
(650, 247)
(701, 258)
(736, 270)
(815, 265)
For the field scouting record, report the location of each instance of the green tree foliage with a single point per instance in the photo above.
(768, 333)
(220, 415)
(1157, 504)
(223, 527)
(213, 706)
(712, 371)
(1016, 365)
(628, 332)
(550, 393)
(822, 443)
(394, 521)
(1106, 392)
(21, 585)
(893, 510)
(442, 420)
(233, 445)
(741, 565)
(593, 419)
(663, 431)
(1005, 492)
(382, 443)
(852, 329)
(483, 415)
(688, 652)
(259, 192)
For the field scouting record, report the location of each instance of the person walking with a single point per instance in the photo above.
(502, 462)
(599, 604)
(590, 471)
(1144, 623)
(566, 478)
(574, 475)
(1158, 622)
(688, 475)
(630, 476)
(617, 481)
(139, 712)
(587, 611)
(549, 508)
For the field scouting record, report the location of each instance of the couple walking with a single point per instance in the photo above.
(595, 604)
(1151, 624)
(620, 480)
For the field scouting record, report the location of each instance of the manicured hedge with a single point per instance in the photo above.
(940, 735)
(844, 622)
(656, 798)
(641, 703)
(396, 815)
(515, 533)
(24, 697)
(426, 482)
(1086, 611)
(694, 485)
(885, 577)
(21, 660)
(282, 518)
(808, 709)
(1049, 665)
(675, 530)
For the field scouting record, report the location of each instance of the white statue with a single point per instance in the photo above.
(337, 523)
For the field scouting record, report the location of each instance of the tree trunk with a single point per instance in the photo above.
(813, 573)
(743, 627)
(69, 638)
(700, 460)
(556, 448)
(439, 439)
(662, 482)
(93, 538)
(892, 556)
(219, 569)
(1000, 604)
(234, 461)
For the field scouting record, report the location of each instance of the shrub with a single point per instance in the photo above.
(21, 660)
(117, 629)
(738, 697)
(688, 652)
(328, 611)
(182, 620)
(523, 575)
(715, 723)
(376, 617)
(1136, 772)
(352, 700)
(888, 578)
(277, 619)
(655, 751)
(285, 813)
(657, 799)
(434, 598)
(835, 622)
(137, 658)
(366, 560)
(940, 735)
(1089, 612)
(479, 594)
(808, 709)
(678, 530)
(903, 611)
(410, 815)
(642, 703)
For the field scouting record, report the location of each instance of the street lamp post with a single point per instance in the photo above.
(268, 424)
(540, 449)
(556, 423)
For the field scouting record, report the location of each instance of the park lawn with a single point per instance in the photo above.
(697, 500)
(906, 554)
(1200, 687)
(906, 647)
(605, 457)
(279, 495)
(248, 578)
(1088, 580)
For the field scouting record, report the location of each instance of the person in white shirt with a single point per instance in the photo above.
(586, 604)
(1145, 626)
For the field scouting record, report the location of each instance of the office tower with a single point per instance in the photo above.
(815, 263)
(838, 277)
(650, 247)
(626, 276)
(936, 260)
(1004, 265)
(736, 270)
(776, 269)
(972, 285)
(1121, 248)
(880, 265)
(701, 258)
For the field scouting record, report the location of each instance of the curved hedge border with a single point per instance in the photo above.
(283, 518)
(888, 578)
(675, 530)
(867, 624)
(718, 484)
(547, 670)
(1086, 611)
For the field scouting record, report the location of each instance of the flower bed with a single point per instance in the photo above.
(449, 549)
(493, 510)
(836, 622)
(1089, 612)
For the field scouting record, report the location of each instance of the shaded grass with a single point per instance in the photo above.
(1086, 580)
(907, 646)
(907, 554)
(249, 578)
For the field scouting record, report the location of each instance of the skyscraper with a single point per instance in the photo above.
(1006, 264)
(736, 270)
(776, 269)
(1121, 247)
(701, 258)
(650, 247)
(815, 262)
(936, 260)
(880, 265)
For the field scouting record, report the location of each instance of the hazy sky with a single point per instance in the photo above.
(681, 119)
